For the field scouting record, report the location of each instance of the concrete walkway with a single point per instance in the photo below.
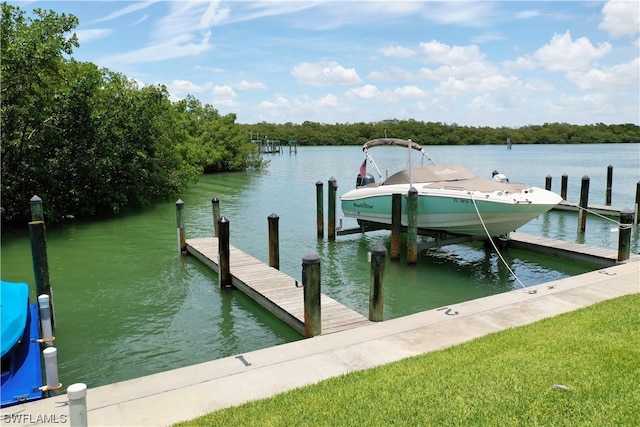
(185, 393)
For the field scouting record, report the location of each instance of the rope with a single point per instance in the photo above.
(495, 247)
(601, 216)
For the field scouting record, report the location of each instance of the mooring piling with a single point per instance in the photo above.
(396, 225)
(563, 186)
(412, 227)
(182, 239)
(319, 209)
(376, 289)
(311, 285)
(224, 274)
(36, 209)
(607, 196)
(333, 188)
(274, 242)
(215, 206)
(637, 204)
(624, 234)
(77, 395)
(584, 200)
(547, 183)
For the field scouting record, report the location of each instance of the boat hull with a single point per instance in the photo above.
(458, 212)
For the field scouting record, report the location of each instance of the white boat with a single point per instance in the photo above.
(450, 198)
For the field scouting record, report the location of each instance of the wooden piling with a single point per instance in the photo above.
(274, 242)
(376, 289)
(333, 187)
(36, 209)
(40, 261)
(224, 273)
(311, 284)
(547, 183)
(563, 186)
(637, 208)
(215, 205)
(182, 240)
(624, 234)
(319, 209)
(584, 200)
(412, 227)
(607, 195)
(396, 225)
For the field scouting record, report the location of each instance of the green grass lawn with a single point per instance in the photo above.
(577, 369)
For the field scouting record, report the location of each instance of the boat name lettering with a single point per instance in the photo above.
(363, 205)
(445, 172)
(458, 200)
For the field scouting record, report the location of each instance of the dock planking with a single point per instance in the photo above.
(274, 290)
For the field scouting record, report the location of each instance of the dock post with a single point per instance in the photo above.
(77, 395)
(274, 243)
(637, 208)
(563, 186)
(412, 227)
(40, 261)
(45, 319)
(224, 270)
(311, 285)
(396, 225)
(547, 183)
(182, 240)
(624, 234)
(376, 290)
(36, 209)
(319, 209)
(333, 187)
(50, 356)
(609, 185)
(215, 205)
(584, 201)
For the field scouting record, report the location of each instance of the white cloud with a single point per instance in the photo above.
(249, 85)
(616, 77)
(224, 92)
(397, 52)
(324, 74)
(178, 47)
(364, 92)
(441, 53)
(125, 11)
(186, 87)
(85, 36)
(329, 100)
(621, 17)
(563, 54)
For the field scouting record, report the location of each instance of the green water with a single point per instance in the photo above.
(128, 305)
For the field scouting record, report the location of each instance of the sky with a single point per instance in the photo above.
(472, 63)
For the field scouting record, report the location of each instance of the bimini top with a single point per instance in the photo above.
(391, 141)
(14, 300)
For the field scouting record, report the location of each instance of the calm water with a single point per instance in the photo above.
(128, 305)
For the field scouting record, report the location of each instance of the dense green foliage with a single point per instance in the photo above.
(504, 379)
(90, 141)
(429, 133)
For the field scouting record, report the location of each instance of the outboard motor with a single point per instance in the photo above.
(368, 179)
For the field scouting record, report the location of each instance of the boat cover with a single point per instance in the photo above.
(450, 176)
(14, 300)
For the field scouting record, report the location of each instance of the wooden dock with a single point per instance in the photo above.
(601, 257)
(597, 209)
(280, 294)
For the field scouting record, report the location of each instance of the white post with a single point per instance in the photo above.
(51, 369)
(45, 320)
(77, 394)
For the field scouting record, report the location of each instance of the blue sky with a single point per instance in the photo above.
(475, 63)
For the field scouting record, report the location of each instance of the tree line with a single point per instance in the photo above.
(92, 142)
(430, 133)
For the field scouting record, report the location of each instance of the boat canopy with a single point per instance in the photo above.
(391, 141)
(430, 174)
(14, 300)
